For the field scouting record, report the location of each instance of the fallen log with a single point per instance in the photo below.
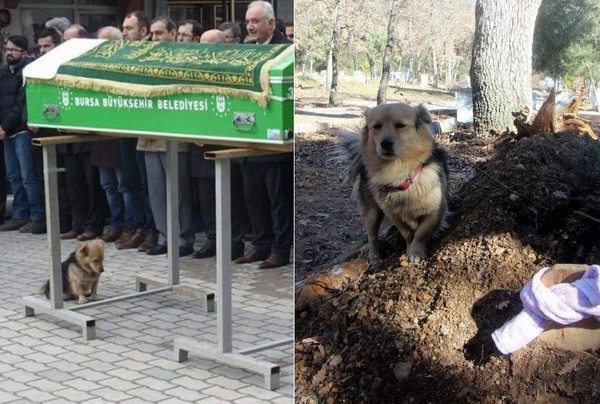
(544, 120)
(548, 120)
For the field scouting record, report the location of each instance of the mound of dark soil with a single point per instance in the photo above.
(421, 333)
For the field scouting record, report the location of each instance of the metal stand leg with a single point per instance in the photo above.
(172, 175)
(208, 299)
(224, 318)
(223, 352)
(55, 307)
(53, 226)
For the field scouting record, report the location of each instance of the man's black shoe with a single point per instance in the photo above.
(158, 249)
(209, 249)
(185, 251)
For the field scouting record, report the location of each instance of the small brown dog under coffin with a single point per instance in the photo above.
(81, 272)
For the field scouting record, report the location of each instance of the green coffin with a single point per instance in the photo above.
(171, 90)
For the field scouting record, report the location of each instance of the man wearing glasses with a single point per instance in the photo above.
(27, 206)
(189, 31)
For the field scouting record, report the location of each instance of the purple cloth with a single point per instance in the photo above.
(564, 303)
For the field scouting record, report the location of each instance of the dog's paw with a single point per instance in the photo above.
(82, 300)
(415, 259)
(416, 253)
(375, 264)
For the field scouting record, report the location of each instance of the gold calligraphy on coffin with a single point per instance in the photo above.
(223, 78)
(173, 77)
(220, 67)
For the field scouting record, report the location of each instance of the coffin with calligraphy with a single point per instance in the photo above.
(164, 89)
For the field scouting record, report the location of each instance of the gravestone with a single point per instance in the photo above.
(464, 105)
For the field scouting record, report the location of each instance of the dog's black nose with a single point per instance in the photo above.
(387, 145)
(101, 269)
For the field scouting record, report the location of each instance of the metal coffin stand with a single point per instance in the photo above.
(55, 307)
(223, 352)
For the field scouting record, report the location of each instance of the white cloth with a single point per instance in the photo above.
(564, 303)
(46, 66)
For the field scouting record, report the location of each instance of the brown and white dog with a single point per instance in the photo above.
(398, 171)
(81, 272)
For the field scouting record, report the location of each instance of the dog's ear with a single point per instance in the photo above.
(83, 249)
(422, 115)
(364, 130)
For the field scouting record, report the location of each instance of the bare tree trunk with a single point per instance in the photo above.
(501, 66)
(411, 67)
(593, 87)
(452, 72)
(449, 74)
(434, 64)
(388, 54)
(371, 66)
(411, 57)
(334, 49)
(329, 75)
(435, 70)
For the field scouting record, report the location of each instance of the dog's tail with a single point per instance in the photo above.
(43, 290)
(349, 144)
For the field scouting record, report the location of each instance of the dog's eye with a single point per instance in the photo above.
(399, 125)
(377, 126)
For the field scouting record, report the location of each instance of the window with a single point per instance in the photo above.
(48, 3)
(92, 14)
(113, 3)
(219, 16)
(179, 14)
(33, 19)
(95, 21)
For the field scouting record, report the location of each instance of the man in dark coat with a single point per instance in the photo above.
(89, 207)
(260, 23)
(48, 39)
(269, 179)
(28, 205)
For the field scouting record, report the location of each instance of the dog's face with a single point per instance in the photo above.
(395, 130)
(90, 256)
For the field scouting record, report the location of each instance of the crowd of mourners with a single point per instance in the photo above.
(115, 189)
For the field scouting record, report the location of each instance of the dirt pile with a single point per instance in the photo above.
(416, 333)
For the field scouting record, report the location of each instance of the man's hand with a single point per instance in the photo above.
(2, 133)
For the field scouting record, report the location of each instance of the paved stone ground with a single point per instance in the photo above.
(43, 359)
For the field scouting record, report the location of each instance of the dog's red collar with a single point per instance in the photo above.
(405, 185)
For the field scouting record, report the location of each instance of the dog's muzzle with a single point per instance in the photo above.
(387, 146)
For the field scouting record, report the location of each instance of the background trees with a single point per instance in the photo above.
(429, 35)
(566, 38)
(499, 53)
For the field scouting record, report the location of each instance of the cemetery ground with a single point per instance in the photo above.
(421, 332)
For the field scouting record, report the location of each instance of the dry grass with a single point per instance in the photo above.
(308, 90)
